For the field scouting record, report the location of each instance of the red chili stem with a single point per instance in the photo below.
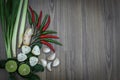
(32, 13)
(39, 20)
(47, 24)
(48, 44)
(49, 36)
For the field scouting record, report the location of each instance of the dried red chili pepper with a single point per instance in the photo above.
(48, 44)
(47, 24)
(49, 36)
(32, 13)
(39, 20)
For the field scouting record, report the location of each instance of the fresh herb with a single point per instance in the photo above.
(14, 37)
(22, 24)
(8, 13)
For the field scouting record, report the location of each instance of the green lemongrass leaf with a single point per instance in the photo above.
(38, 68)
(23, 21)
(3, 21)
(14, 37)
(2, 16)
(15, 8)
(29, 17)
(49, 32)
(15, 18)
(8, 51)
(43, 22)
(11, 8)
(36, 19)
(8, 12)
(53, 41)
(2, 8)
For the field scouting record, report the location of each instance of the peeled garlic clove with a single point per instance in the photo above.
(26, 49)
(33, 61)
(49, 66)
(27, 36)
(52, 56)
(21, 57)
(46, 50)
(36, 50)
(56, 62)
(44, 62)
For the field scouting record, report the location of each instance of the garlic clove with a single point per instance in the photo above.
(33, 61)
(52, 56)
(49, 66)
(21, 57)
(56, 62)
(26, 49)
(36, 50)
(43, 62)
(46, 50)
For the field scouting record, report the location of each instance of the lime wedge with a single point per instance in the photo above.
(24, 69)
(11, 66)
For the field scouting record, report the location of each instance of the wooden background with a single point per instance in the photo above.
(89, 31)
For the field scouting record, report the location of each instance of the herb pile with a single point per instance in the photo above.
(30, 40)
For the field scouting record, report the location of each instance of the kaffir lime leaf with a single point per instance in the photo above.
(11, 66)
(24, 69)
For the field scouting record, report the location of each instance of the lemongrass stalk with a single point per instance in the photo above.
(9, 51)
(14, 37)
(23, 21)
(3, 28)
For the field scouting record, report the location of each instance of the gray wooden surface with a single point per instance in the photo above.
(89, 31)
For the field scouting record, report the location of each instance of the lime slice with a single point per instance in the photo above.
(24, 69)
(11, 66)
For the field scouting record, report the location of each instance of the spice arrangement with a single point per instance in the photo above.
(30, 41)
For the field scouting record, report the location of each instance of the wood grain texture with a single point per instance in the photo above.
(89, 31)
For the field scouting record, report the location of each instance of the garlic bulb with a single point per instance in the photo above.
(27, 36)
(21, 57)
(52, 56)
(56, 62)
(36, 50)
(33, 61)
(49, 66)
(26, 49)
